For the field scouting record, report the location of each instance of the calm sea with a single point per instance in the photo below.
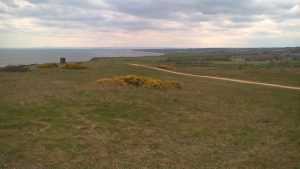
(32, 56)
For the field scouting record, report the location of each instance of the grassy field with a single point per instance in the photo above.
(60, 118)
(278, 72)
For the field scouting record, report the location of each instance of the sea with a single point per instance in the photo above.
(47, 55)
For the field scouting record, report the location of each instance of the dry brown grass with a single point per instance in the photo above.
(15, 68)
(167, 67)
(48, 65)
(75, 66)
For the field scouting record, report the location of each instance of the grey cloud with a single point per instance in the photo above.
(103, 25)
(38, 1)
(68, 3)
(203, 10)
(2, 10)
(167, 9)
(70, 14)
(10, 3)
(55, 12)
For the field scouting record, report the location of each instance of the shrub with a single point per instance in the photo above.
(138, 81)
(16, 68)
(75, 65)
(167, 67)
(48, 65)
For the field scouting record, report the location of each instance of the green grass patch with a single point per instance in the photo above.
(199, 133)
(109, 112)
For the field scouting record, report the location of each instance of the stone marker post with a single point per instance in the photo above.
(62, 60)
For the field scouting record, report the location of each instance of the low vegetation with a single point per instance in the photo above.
(48, 65)
(140, 81)
(166, 67)
(75, 66)
(16, 68)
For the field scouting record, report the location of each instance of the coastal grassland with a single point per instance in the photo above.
(61, 118)
(285, 72)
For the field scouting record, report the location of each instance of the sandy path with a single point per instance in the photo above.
(220, 78)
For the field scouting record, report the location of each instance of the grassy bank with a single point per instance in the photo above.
(61, 118)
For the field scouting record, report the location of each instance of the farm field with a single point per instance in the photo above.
(61, 118)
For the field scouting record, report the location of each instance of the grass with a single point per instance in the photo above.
(60, 118)
(75, 66)
(283, 76)
(167, 67)
(279, 72)
(15, 68)
(48, 65)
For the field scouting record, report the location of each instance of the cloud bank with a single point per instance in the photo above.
(149, 23)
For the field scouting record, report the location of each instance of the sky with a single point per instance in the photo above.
(149, 23)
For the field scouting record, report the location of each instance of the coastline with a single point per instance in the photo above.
(39, 56)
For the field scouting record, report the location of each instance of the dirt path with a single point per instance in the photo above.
(219, 78)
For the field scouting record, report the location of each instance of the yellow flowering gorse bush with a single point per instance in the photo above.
(135, 80)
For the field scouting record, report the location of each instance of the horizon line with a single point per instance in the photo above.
(262, 47)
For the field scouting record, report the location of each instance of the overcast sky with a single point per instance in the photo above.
(149, 23)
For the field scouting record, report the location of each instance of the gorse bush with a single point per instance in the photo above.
(75, 65)
(167, 67)
(48, 65)
(16, 68)
(140, 81)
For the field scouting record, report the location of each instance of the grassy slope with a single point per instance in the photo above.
(53, 118)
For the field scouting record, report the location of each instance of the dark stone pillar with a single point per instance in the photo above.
(62, 60)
